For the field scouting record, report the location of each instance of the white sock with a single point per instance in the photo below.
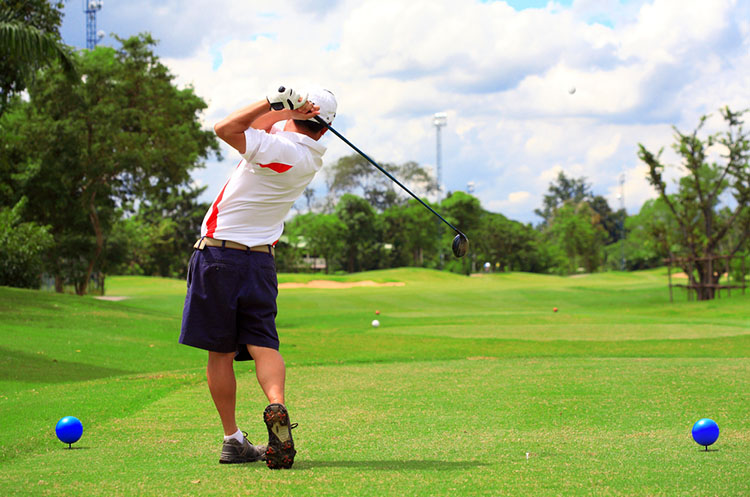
(237, 436)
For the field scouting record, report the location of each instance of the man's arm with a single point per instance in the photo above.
(282, 104)
(232, 128)
(266, 121)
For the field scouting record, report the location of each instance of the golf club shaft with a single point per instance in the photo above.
(321, 121)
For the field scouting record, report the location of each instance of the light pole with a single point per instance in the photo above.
(440, 119)
(90, 7)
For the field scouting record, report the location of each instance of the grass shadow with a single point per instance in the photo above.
(34, 368)
(392, 465)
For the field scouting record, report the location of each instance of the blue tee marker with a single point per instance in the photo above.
(69, 430)
(705, 432)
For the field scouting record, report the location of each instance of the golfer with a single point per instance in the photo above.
(230, 307)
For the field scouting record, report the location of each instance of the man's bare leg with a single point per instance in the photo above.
(270, 371)
(223, 387)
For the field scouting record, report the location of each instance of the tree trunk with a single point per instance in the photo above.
(54, 265)
(707, 278)
(94, 217)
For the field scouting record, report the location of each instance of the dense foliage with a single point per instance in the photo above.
(23, 245)
(84, 153)
(355, 236)
(29, 39)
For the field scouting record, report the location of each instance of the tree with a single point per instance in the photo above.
(573, 194)
(354, 174)
(412, 232)
(705, 221)
(362, 241)
(309, 196)
(464, 211)
(288, 254)
(324, 234)
(157, 239)
(29, 40)
(530, 252)
(651, 236)
(23, 245)
(512, 245)
(563, 190)
(122, 135)
(611, 221)
(575, 228)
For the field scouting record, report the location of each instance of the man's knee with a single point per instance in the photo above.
(257, 352)
(215, 358)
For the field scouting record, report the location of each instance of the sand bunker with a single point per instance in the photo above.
(112, 298)
(683, 276)
(327, 284)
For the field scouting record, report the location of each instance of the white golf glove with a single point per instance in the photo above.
(285, 98)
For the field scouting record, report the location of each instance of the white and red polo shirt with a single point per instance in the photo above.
(275, 169)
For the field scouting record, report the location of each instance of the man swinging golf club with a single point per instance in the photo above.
(230, 307)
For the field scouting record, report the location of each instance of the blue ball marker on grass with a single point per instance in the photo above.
(705, 432)
(69, 430)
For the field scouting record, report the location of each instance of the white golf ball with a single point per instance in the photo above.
(375, 323)
(572, 90)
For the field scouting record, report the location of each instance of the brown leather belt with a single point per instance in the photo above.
(212, 242)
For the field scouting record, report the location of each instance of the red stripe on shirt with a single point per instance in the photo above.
(213, 218)
(277, 166)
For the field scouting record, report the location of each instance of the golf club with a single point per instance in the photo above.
(460, 242)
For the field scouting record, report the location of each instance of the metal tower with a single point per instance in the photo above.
(90, 7)
(440, 119)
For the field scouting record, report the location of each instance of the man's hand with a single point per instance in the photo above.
(286, 98)
(307, 111)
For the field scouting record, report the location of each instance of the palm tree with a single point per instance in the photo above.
(27, 48)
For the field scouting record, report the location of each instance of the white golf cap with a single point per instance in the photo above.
(325, 100)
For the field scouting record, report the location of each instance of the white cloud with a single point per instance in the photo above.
(604, 149)
(502, 76)
(513, 198)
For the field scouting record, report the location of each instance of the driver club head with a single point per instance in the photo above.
(460, 245)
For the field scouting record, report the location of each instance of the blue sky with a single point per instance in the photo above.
(500, 70)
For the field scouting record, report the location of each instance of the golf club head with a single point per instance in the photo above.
(460, 245)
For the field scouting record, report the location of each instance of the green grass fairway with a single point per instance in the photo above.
(470, 387)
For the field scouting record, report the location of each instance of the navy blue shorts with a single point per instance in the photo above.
(230, 302)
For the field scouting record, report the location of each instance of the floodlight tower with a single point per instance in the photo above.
(90, 7)
(440, 119)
